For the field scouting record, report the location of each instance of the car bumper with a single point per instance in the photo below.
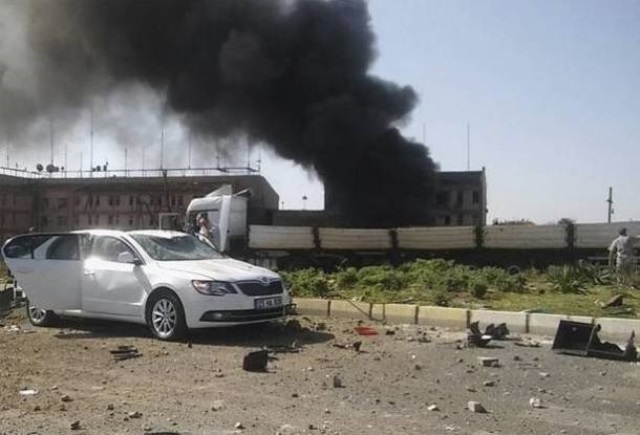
(245, 316)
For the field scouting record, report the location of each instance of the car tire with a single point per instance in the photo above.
(165, 316)
(39, 317)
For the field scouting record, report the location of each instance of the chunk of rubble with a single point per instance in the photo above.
(476, 407)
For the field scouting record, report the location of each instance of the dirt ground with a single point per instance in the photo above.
(388, 387)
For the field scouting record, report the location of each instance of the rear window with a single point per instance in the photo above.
(44, 246)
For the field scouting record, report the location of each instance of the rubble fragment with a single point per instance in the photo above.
(256, 361)
(476, 407)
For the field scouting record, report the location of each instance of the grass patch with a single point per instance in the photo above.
(573, 289)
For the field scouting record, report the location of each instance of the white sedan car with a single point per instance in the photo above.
(169, 280)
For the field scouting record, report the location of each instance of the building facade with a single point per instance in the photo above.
(63, 204)
(461, 199)
(56, 203)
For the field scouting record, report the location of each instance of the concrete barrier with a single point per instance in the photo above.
(312, 307)
(617, 330)
(400, 313)
(377, 312)
(350, 310)
(516, 322)
(457, 318)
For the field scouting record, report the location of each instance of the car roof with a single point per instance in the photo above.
(157, 233)
(119, 233)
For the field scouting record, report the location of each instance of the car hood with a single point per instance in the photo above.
(226, 269)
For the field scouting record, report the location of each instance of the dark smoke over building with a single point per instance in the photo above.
(289, 73)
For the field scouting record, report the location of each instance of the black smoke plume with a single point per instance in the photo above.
(290, 73)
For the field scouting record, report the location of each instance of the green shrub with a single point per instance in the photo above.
(478, 288)
(566, 279)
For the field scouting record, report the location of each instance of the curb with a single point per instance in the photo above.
(460, 318)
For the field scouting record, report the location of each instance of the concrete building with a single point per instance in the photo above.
(52, 204)
(59, 202)
(461, 199)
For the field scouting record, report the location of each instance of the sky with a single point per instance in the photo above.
(548, 91)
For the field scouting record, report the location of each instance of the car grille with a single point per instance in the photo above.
(257, 288)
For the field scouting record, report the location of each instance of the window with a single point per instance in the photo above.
(131, 220)
(475, 197)
(64, 248)
(63, 221)
(180, 200)
(45, 202)
(63, 203)
(44, 221)
(131, 201)
(97, 200)
(460, 219)
(110, 249)
(459, 197)
(76, 201)
(110, 220)
(447, 220)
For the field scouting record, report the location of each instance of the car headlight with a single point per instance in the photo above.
(213, 288)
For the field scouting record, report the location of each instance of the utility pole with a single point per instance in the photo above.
(610, 201)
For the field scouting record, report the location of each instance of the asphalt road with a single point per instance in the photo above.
(316, 383)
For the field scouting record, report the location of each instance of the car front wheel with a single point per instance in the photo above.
(40, 317)
(165, 316)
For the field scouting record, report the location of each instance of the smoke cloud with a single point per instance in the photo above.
(293, 74)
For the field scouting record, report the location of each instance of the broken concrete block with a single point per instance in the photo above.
(476, 407)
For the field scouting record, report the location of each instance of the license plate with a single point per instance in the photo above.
(262, 304)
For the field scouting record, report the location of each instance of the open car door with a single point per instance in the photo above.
(48, 267)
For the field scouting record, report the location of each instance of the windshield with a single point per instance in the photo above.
(176, 247)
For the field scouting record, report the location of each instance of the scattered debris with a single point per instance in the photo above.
(355, 345)
(489, 383)
(66, 398)
(124, 352)
(475, 338)
(134, 414)
(293, 325)
(337, 382)
(498, 332)
(577, 338)
(615, 301)
(527, 343)
(283, 348)
(535, 402)
(433, 407)
(28, 392)
(239, 425)
(365, 330)
(476, 407)
(256, 361)
(75, 425)
(489, 361)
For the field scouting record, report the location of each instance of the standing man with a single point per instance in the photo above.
(206, 230)
(622, 249)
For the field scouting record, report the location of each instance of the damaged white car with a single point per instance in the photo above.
(169, 280)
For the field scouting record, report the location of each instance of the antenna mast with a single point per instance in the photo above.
(468, 148)
(610, 201)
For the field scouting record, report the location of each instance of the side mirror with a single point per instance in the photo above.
(129, 258)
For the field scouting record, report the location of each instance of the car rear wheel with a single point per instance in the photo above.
(40, 317)
(165, 316)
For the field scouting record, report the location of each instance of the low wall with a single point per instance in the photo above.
(459, 318)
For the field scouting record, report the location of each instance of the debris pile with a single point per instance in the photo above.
(124, 352)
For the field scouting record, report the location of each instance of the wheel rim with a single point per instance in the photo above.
(36, 314)
(164, 317)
